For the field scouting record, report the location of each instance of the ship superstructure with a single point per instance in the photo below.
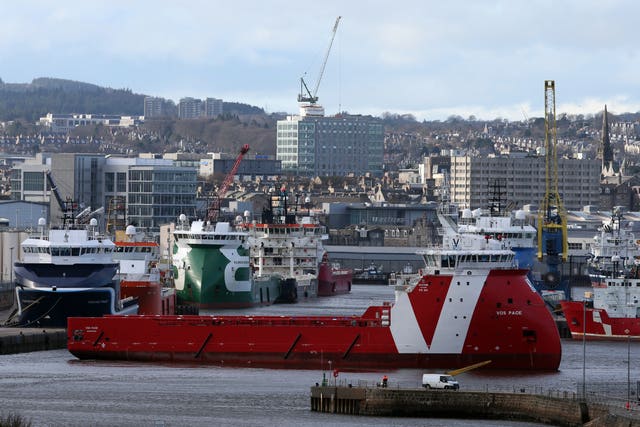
(611, 310)
(211, 267)
(288, 244)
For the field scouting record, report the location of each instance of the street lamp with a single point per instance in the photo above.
(11, 266)
(626, 331)
(584, 349)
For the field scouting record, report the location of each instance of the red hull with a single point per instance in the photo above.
(598, 326)
(333, 281)
(152, 297)
(443, 322)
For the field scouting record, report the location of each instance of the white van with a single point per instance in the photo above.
(441, 381)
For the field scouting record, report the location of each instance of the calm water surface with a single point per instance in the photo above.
(54, 389)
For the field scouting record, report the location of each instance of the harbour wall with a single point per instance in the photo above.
(7, 295)
(562, 409)
(23, 340)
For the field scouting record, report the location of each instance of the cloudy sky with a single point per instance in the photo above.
(429, 58)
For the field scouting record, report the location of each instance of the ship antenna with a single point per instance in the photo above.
(496, 187)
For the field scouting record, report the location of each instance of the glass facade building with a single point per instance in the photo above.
(330, 146)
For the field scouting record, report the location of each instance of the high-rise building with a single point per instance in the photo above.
(330, 146)
(158, 107)
(190, 108)
(213, 107)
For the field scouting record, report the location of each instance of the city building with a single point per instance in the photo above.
(144, 192)
(191, 108)
(159, 107)
(523, 179)
(59, 123)
(252, 166)
(147, 193)
(74, 176)
(616, 187)
(212, 107)
(314, 145)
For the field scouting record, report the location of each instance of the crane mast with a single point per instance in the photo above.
(214, 208)
(552, 217)
(311, 97)
(68, 207)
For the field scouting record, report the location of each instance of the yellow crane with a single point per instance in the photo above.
(553, 245)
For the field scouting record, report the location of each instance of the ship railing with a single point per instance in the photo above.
(288, 320)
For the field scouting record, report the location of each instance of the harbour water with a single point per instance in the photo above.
(53, 388)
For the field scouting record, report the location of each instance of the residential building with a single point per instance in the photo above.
(58, 123)
(158, 107)
(313, 145)
(212, 107)
(190, 108)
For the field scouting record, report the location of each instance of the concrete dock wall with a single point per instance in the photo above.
(7, 295)
(22, 340)
(562, 410)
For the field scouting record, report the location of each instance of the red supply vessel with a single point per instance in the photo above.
(333, 279)
(469, 304)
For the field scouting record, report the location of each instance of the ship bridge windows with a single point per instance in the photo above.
(60, 251)
(448, 261)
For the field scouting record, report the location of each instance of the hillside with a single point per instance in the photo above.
(30, 101)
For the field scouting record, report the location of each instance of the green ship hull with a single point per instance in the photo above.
(211, 270)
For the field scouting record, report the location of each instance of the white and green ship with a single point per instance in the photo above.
(211, 267)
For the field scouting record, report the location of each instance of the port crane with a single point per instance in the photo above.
(214, 209)
(553, 244)
(67, 206)
(305, 94)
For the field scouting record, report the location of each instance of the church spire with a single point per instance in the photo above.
(605, 151)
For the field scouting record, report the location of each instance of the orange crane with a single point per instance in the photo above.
(214, 208)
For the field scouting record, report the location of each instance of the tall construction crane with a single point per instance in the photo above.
(305, 94)
(214, 209)
(552, 217)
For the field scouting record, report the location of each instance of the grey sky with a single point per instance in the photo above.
(429, 58)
